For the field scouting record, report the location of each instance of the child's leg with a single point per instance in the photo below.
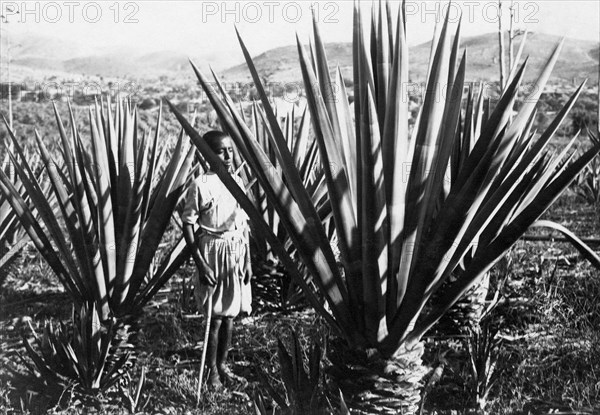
(225, 373)
(225, 336)
(212, 352)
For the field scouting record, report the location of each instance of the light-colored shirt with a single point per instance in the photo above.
(209, 204)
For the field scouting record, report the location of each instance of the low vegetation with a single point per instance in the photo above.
(548, 319)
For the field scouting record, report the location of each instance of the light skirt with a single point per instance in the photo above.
(227, 256)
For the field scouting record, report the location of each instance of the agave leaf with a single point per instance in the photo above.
(347, 139)
(288, 367)
(462, 146)
(95, 346)
(105, 349)
(106, 227)
(129, 211)
(536, 91)
(85, 244)
(577, 243)
(513, 70)
(375, 228)
(301, 144)
(65, 203)
(359, 78)
(450, 122)
(115, 372)
(343, 407)
(453, 63)
(173, 260)
(395, 143)
(420, 180)
(552, 169)
(328, 90)
(337, 180)
(279, 399)
(138, 390)
(36, 233)
(382, 63)
(40, 365)
(35, 192)
(14, 250)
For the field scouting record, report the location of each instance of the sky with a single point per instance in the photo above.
(206, 28)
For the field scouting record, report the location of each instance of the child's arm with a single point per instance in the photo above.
(206, 274)
(189, 218)
(248, 270)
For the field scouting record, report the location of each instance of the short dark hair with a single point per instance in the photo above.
(213, 137)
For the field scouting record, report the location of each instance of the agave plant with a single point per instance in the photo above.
(588, 183)
(401, 228)
(301, 386)
(483, 345)
(466, 312)
(12, 236)
(80, 355)
(115, 202)
(131, 391)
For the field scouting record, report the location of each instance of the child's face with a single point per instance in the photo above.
(223, 148)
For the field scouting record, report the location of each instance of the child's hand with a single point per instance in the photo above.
(207, 275)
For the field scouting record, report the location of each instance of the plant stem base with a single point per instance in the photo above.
(372, 384)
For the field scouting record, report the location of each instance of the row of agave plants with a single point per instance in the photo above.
(12, 236)
(380, 254)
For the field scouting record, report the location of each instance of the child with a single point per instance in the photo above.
(221, 254)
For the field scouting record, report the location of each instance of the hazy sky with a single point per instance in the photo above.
(206, 28)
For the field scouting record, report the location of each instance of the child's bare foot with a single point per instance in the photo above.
(230, 378)
(213, 382)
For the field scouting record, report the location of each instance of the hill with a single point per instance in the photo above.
(578, 60)
(39, 57)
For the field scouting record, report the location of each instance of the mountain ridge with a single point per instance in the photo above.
(43, 57)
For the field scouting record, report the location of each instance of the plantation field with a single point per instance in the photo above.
(383, 217)
(30, 115)
(548, 359)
